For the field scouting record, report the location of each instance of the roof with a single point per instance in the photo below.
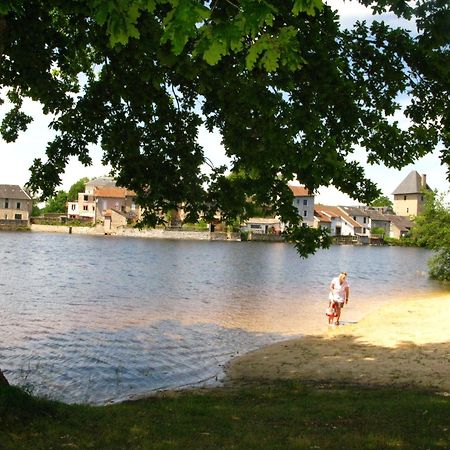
(300, 191)
(109, 213)
(322, 217)
(355, 211)
(112, 192)
(13, 191)
(329, 211)
(412, 184)
(336, 211)
(377, 215)
(101, 182)
(401, 222)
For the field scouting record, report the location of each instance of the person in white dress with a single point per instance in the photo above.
(339, 293)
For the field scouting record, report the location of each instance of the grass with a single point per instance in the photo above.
(282, 415)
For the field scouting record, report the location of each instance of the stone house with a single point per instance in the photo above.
(15, 206)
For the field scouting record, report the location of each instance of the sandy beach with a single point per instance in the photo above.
(404, 343)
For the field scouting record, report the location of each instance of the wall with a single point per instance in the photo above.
(410, 207)
(131, 232)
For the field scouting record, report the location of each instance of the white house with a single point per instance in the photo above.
(341, 224)
(304, 202)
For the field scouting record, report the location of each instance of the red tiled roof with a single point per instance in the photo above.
(335, 211)
(300, 191)
(322, 217)
(112, 192)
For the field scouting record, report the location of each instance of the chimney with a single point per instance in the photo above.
(424, 181)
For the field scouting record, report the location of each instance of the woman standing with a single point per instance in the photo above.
(339, 293)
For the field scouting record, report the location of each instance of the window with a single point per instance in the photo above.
(298, 201)
(6, 203)
(85, 207)
(86, 198)
(407, 210)
(18, 216)
(404, 197)
(305, 213)
(364, 219)
(305, 202)
(73, 207)
(18, 205)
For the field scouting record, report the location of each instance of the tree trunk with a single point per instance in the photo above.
(3, 380)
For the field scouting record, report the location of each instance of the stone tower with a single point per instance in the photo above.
(409, 196)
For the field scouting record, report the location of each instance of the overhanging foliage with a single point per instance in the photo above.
(291, 93)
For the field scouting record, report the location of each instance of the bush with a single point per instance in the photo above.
(439, 266)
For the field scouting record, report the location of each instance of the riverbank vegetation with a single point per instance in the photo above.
(432, 230)
(281, 415)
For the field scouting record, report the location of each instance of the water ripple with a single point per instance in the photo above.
(95, 320)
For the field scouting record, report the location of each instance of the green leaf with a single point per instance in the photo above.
(215, 52)
(309, 7)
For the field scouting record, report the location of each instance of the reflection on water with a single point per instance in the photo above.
(98, 319)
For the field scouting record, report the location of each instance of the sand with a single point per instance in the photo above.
(404, 343)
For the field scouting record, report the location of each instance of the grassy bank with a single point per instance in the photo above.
(282, 415)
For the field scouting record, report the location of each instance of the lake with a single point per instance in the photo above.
(98, 319)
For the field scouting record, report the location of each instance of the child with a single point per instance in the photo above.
(330, 312)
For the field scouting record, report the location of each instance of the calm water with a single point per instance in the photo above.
(100, 319)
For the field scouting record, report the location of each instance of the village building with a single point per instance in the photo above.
(304, 202)
(409, 196)
(400, 226)
(102, 201)
(15, 206)
(360, 216)
(262, 225)
(341, 224)
(322, 219)
(379, 221)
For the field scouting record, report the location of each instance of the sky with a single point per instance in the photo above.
(17, 157)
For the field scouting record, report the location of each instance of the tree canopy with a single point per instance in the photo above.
(432, 230)
(382, 201)
(76, 188)
(56, 203)
(291, 92)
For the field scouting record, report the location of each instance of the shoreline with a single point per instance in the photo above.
(403, 343)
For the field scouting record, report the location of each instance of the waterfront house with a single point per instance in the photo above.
(409, 196)
(322, 220)
(400, 226)
(15, 206)
(304, 202)
(262, 225)
(103, 201)
(341, 224)
(379, 220)
(361, 217)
